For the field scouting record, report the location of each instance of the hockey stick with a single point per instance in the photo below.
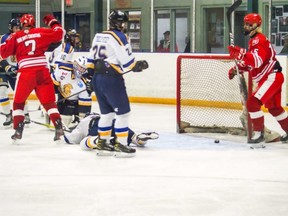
(241, 79)
(63, 99)
(47, 125)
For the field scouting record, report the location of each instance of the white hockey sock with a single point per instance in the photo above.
(4, 100)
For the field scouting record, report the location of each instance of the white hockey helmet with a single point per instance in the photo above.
(80, 66)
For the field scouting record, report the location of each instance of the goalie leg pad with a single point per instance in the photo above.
(142, 138)
(147, 136)
(271, 136)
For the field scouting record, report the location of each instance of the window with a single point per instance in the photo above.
(166, 22)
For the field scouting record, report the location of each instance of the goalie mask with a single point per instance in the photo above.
(14, 25)
(80, 66)
(252, 23)
(117, 20)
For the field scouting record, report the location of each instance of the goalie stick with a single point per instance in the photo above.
(241, 79)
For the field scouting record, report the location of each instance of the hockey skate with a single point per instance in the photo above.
(58, 130)
(18, 133)
(9, 120)
(123, 151)
(256, 140)
(284, 138)
(103, 149)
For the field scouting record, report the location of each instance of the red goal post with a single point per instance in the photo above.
(207, 101)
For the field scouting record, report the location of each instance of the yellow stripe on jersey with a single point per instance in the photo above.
(56, 82)
(117, 68)
(64, 46)
(63, 67)
(115, 36)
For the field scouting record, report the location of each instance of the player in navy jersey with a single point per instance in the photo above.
(113, 56)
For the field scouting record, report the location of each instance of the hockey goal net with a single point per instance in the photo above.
(207, 101)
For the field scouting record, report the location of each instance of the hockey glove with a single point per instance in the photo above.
(89, 87)
(233, 71)
(50, 20)
(237, 52)
(11, 70)
(140, 65)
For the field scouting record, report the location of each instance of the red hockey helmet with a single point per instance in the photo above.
(253, 18)
(27, 20)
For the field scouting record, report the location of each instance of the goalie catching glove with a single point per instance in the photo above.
(140, 66)
(237, 52)
(11, 70)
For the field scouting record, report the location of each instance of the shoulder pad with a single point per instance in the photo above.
(119, 36)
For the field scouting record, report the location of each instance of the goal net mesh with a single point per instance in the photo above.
(207, 101)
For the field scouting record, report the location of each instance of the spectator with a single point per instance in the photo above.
(164, 45)
(78, 43)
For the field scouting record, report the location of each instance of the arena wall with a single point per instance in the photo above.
(157, 84)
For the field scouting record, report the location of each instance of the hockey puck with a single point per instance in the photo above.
(216, 141)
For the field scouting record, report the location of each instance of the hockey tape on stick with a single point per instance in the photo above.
(229, 12)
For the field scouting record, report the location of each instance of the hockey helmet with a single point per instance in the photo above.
(253, 18)
(117, 19)
(14, 22)
(27, 20)
(251, 23)
(80, 66)
(70, 36)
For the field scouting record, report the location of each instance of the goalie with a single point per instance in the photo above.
(86, 134)
(260, 62)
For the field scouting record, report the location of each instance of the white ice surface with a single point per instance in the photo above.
(176, 175)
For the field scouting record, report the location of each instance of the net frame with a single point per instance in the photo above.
(186, 126)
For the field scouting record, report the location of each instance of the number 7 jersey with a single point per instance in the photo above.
(114, 48)
(29, 46)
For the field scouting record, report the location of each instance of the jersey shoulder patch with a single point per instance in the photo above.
(119, 36)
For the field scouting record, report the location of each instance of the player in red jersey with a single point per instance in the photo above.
(260, 61)
(29, 46)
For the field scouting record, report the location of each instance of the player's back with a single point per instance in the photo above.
(29, 45)
(112, 46)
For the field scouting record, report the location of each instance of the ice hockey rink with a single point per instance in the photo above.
(176, 175)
